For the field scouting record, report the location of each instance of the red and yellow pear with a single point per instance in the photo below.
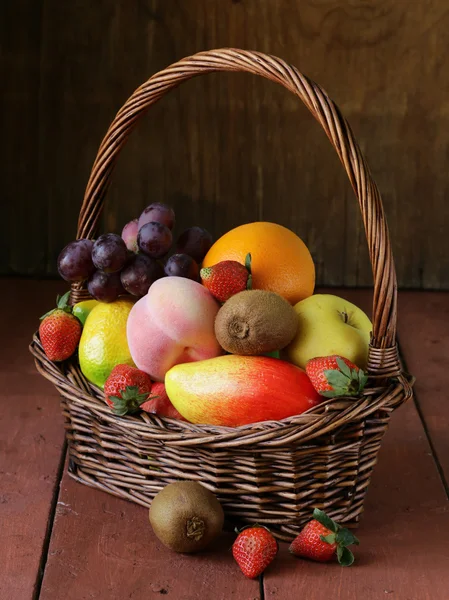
(237, 390)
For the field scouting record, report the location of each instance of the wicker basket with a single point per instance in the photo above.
(271, 472)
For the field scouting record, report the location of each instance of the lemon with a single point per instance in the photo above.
(81, 310)
(103, 343)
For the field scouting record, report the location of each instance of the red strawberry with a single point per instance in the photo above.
(227, 278)
(160, 403)
(126, 389)
(334, 376)
(321, 538)
(254, 549)
(60, 331)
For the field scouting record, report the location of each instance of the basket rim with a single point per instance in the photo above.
(326, 418)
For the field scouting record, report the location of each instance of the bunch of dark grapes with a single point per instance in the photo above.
(115, 265)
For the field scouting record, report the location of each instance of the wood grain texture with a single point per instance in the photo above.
(22, 200)
(228, 149)
(403, 550)
(104, 547)
(31, 441)
(424, 343)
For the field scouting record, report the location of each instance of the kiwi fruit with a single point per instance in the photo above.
(255, 322)
(186, 517)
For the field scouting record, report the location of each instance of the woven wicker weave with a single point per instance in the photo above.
(269, 472)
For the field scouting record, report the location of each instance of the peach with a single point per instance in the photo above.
(172, 324)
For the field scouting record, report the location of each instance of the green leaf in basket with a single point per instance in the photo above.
(344, 381)
(343, 367)
(129, 402)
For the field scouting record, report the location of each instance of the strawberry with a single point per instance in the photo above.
(126, 389)
(60, 331)
(321, 538)
(334, 376)
(160, 403)
(254, 549)
(227, 278)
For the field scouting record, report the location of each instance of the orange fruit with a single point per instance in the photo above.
(280, 261)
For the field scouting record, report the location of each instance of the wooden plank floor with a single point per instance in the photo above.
(70, 541)
(31, 442)
(424, 335)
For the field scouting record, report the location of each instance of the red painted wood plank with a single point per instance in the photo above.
(104, 547)
(31, 439)
(404, 551)
(424, 342)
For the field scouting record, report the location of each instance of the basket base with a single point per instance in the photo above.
(281, 530)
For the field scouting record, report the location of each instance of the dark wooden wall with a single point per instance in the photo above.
(229, 148)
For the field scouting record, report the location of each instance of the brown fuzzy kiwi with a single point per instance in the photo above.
(186, 516)
(255, 322)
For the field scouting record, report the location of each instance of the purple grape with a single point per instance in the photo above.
(109, 253)
(181, 265)
(75, 261)
(154, 239)
(129, 235)
(105, 287)
(195, 242)
(140, 273)
(159, 213)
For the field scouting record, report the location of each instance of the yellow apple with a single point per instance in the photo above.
(330, 325)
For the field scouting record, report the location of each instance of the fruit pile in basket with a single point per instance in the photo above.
(227, 333)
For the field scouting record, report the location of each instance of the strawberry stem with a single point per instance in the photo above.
(61, 304)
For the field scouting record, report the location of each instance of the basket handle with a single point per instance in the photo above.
(383, 352)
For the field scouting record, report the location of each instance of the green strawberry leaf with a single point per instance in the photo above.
(62, 301)
(329, 539)
(120, 406)
(346, 538)
(249, 282)
(343, 537)
(326, 521)
(363, 379)
(343, 367)
(248, 262)
(61, 304)
(336, 378)
(131, 392)
(342, 384)
(130, 401)
(345, 556)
